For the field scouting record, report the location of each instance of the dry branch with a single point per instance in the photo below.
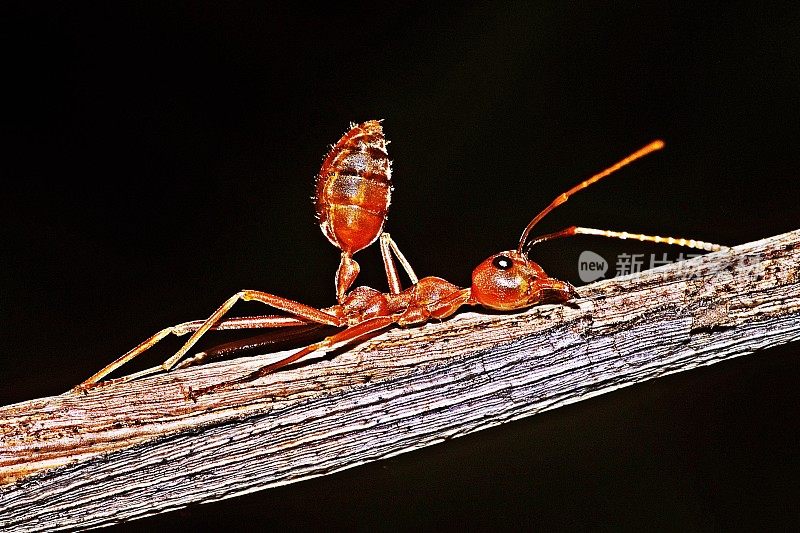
(140, 448)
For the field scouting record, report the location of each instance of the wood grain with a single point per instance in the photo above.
(134, 449)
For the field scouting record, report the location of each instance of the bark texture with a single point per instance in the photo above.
(135, 449)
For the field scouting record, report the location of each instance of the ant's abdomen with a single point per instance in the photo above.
(354, 188)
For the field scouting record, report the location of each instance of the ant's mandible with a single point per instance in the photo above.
(353, 191)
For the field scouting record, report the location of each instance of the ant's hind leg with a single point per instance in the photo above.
(303, 312)
(389, 248)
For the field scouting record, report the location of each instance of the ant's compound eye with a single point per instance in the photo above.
(502, 262)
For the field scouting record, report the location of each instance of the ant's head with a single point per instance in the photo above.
(509, 280)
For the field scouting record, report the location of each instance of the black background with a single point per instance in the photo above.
(161, 157)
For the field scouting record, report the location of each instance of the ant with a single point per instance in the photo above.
(353, 192)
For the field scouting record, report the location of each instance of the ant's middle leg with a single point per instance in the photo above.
(367, 328)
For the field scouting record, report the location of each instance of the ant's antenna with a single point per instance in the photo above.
(560, 199)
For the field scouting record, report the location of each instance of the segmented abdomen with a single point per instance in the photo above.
(354, 188)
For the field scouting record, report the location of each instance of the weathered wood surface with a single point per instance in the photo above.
(140, 448)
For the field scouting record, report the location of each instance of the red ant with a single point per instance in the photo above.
(353, 191)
